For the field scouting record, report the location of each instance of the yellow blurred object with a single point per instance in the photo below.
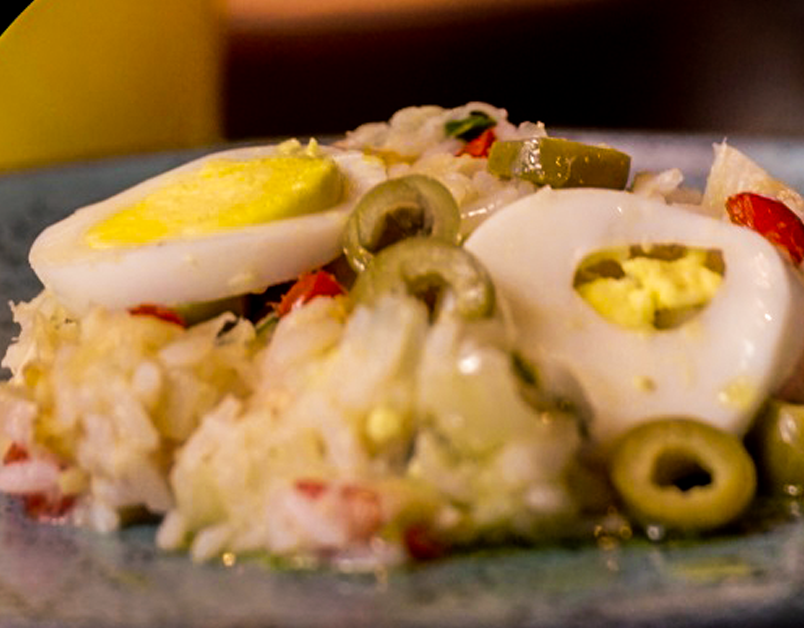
(88, 78)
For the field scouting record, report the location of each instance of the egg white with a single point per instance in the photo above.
(718, 367)
(202, 268)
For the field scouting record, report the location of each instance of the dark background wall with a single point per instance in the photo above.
(715, 65)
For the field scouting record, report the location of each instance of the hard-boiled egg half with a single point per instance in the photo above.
(229, 223)
(717, 365)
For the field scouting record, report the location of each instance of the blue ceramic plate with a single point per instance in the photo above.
(53, 576)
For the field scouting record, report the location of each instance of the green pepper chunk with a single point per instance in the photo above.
(682, 474)
(414, 205)
(777, 440)
(560, 163)
(429, 270)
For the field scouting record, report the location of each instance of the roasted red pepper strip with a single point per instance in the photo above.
(480, 146)
(309, 286)
(158, 311)
(771, 219)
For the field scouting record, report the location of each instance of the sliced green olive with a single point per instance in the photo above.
(431, 270)
(778, 442)
(415, 205)
(560, 163)
(683, 474)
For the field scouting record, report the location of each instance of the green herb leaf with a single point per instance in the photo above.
(469, 128)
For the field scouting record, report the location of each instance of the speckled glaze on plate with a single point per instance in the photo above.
(56, 576)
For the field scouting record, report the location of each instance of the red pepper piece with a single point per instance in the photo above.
(313, 489)
(770, 218)
(44, 507)
(15, 453)
(47, 508)
(309, 286)
(421, 544)
(158, 311)
(480, 146)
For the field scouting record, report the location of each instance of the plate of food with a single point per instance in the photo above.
(443, 370)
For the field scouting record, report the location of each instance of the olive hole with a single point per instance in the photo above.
(402, 222)
(430, 289)
(680, 469)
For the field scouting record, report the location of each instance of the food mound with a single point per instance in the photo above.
(440, 332)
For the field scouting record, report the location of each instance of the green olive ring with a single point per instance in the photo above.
(414, 205)
(682, 474)
(427, 269)
(777, 440)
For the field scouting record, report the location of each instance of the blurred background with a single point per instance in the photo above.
(685, 65)
(306, 67)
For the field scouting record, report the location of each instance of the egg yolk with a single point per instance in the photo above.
(649, 291)
(224, 194)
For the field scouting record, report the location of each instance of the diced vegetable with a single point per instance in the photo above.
(15, 453)
(560, 163)
(770, 218)
(480, 146)
(44, 508)
(41, 506)
(422, 544)
(309, 286)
